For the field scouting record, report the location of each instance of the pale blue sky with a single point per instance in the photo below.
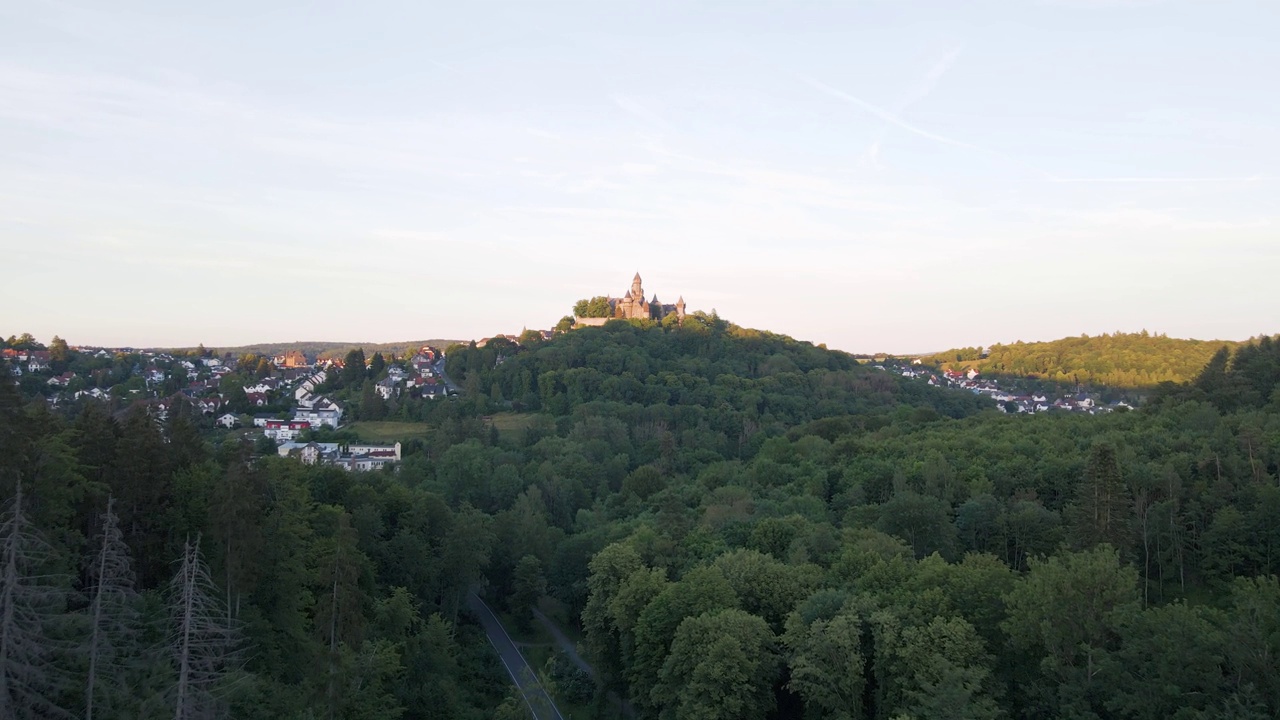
(874, 175)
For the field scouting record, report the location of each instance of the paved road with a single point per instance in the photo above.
(449, 385)
(540, 704)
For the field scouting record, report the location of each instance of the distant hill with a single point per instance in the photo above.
(1128, 360)
(323, 349)
(706, 375)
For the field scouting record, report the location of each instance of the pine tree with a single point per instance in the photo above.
(30, 601)
(203, 643)
(112, 609)
(1102, 504)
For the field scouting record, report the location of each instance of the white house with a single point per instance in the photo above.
(320, 413)
(387, 388)
(310, 453)
(285, 430)
(228, 420)
(391, 451)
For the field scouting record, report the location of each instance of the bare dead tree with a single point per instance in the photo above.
(30, 600)
(203, 645)
(112, 608)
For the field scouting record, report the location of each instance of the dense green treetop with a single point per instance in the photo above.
(596, 307)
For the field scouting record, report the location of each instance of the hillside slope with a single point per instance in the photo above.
(1131, 360)
(708, 373)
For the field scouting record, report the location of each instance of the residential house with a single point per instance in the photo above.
(391, 451)
(285, 429)
(362, 463)
(322, 412)
(209, 406)
(228, 420)
(387, 388)
(38, 361)
(262, 420)
(62, 380)
(311, 453)
(309, 385)
(291, 359)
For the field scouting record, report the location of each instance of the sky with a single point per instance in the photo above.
(876, 175)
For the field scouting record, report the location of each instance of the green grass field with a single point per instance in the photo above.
(389, 432)
(509, 421)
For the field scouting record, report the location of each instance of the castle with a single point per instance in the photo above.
(634, 306)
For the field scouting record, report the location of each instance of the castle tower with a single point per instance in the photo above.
(680, 308)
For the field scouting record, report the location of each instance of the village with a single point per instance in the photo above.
(288, 394)
(1008, 398)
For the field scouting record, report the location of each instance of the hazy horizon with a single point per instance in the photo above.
(877, 177)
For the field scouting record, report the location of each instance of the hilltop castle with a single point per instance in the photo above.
(632, 305)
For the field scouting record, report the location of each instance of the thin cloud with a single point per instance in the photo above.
(636, 109)
(930, 81)
(885, 115)
(915, 95)
(1136, 180)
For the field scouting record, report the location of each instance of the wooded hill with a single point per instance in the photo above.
(324, 349)
(745, 526)
(1122, 360)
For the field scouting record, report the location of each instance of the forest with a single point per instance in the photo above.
(1117, 360)
(745, 526)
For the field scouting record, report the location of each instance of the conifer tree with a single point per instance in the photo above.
(203, 645)
(112, 609)
(30, 601)
(1099, 514)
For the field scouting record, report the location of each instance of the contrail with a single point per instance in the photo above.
(886, 115)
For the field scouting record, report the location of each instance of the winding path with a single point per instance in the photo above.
(572, 651)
